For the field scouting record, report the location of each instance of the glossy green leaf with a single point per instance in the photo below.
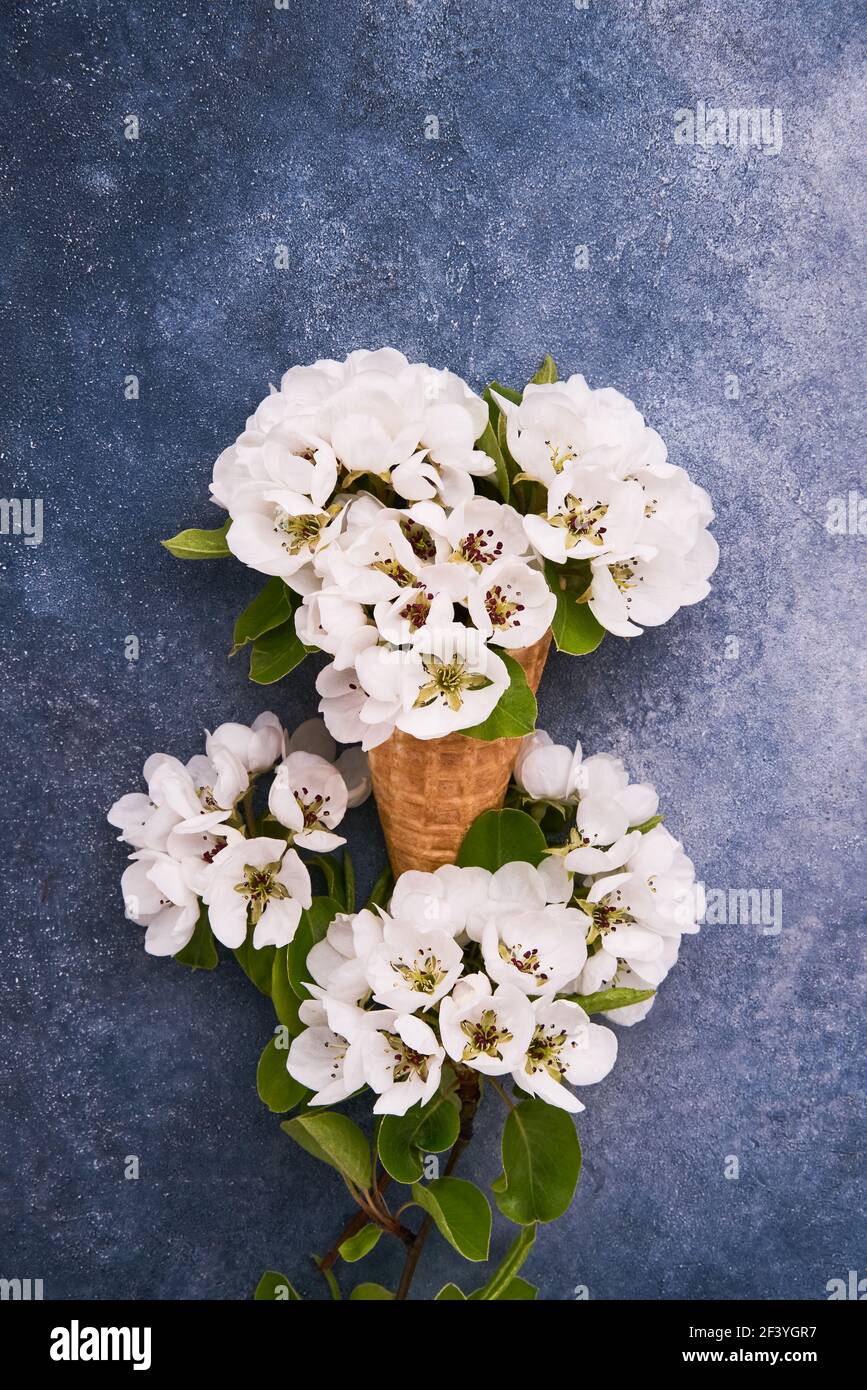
(508, 392)
(405, 1139)
(450, 1293)
(517, 1291)
(370, 1292)
(461, 1212)
(574, 627)
(275, 1288)
(314, 923)
(546, 373)
(336, 1140)
(382, 889)
(199, 545)
(605, 999)
(514, 715)
(506, 1271)
(271, 607)
(257, 965)
(279, 1090)
(648, 824)
(330, 870)
(276, 653)
(283, 996)
(200, 952)
(361, 1244)
(541, 1163)
(489, 444)
(496, 838)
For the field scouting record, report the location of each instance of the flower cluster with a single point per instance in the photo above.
(411, 607)
(604, 492)
(488, 969)
(423, 531)
(195, 839)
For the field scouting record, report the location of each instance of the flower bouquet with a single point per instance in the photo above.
(484, 974)
(430, 541)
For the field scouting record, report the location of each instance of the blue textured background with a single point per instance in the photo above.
(306, 127)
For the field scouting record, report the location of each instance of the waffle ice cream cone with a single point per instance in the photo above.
(429, 792)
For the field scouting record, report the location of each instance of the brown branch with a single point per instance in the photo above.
(468, 1090)
(359, 1220)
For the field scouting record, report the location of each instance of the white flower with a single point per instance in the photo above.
(609, 804)
(547, 771)
(565, 1047)
(458, 682)
(659, 860)
(479, 533)
(632, 589)
(400, 618)
(308, 796)
(334, 623)
(157, 894)
(264, 878)
(413, 968)
(444, 899)
(402, 1061)
(589, 513)
(515, 887)
(489, 1032)
(343, 699)
(316, 1059)
(536, 952)
(511, 604)
(313, 737)
(338, 963)
(256, 748)
(617, 908)
(282, 535)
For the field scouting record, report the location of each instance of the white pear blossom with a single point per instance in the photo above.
(445, 899)
(308, 796)
(548, 771)
(413, 967)
(536, 952)
(157, 895)
(588, 513)
(263, 879)
(313, 737)
(565, 1048)
(257, 747)
(338, 963)
(402, 1061)
(486, 1030)
(511, 604)
(617, 908)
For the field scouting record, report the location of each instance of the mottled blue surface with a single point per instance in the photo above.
(306, 126)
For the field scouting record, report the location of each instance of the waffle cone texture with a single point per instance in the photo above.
(429, 791)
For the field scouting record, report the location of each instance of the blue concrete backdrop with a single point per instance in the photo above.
(306, 126)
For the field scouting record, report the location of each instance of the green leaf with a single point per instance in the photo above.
(333, 879)
(283, 996)
(506, 1271)
(514, 715)
(405, 1139)
(496, 838)
(489, 444)
(279, 1090)
(370, 1291)
(518, 1290)
(335, 1140)
(271, 607)
(200, 953)
(461, 1212)
(605, 999)
(349, 881)
(382, 889)
(275, 1288)
(546, 373)
(276, 653)
(450, 1293)
(258, 965)
(199, 545)
(648, 824)
(510, 394)
(541, 1163)
(357, 1246)
(574, 627)
(314, 923)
